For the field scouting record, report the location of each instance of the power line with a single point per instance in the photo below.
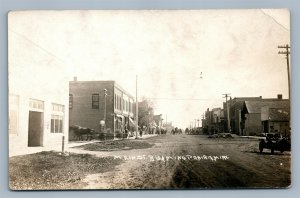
(37, 45)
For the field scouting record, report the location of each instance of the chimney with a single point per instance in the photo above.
(279, 96)
(75, 78)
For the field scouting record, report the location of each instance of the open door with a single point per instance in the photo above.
(35, 129)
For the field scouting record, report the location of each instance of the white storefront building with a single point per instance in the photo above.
(38, 96)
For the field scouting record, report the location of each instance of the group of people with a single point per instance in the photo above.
(176, 131)
(193, 131)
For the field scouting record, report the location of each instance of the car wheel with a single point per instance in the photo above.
(281, 151)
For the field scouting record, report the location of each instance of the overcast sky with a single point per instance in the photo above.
(185, 60)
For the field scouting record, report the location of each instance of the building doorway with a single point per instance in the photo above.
(35, 128)
(265, 126)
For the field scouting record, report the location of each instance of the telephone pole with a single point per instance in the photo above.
(136, 108)
(227, 95)
(287, 53)
(105, 95)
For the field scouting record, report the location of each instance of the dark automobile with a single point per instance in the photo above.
(274, 141)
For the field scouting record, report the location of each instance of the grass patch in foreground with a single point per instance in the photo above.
(116, 145)
(52, 170)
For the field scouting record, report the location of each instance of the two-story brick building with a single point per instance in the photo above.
(93, 101)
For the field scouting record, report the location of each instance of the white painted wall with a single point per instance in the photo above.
(34, 73)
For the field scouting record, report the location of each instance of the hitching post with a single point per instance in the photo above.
(63, 144)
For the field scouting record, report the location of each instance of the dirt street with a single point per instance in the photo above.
(188, 161)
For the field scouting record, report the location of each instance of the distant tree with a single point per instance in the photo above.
(145, 113)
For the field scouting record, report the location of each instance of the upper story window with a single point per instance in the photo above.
(36, 105)
(70, 101)
(129, 106)
(58, 107)
(115, 101)
(95, 101)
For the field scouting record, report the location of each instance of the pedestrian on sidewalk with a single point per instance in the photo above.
(141, 132)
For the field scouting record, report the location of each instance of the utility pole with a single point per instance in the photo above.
(286, 53)
(148, 121)
(226, 95)
(105, 95)
(198, 123)
(136, 109)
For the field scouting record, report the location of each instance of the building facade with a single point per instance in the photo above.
(38, 97)
(276, 119)
(263, 116)
(213, 121)
(94, 101)
(207, 122)
(249, 116)
(236, 117)
(217, 120)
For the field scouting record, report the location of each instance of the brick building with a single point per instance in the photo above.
(237, 119)
(258, 115)
(89, 104)
(250, 116)
(213, 121)
(207, 122)
(276, 119)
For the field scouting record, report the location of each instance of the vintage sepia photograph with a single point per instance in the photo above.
(149, 99)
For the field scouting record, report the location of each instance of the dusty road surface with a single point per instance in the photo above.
(188, 161)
